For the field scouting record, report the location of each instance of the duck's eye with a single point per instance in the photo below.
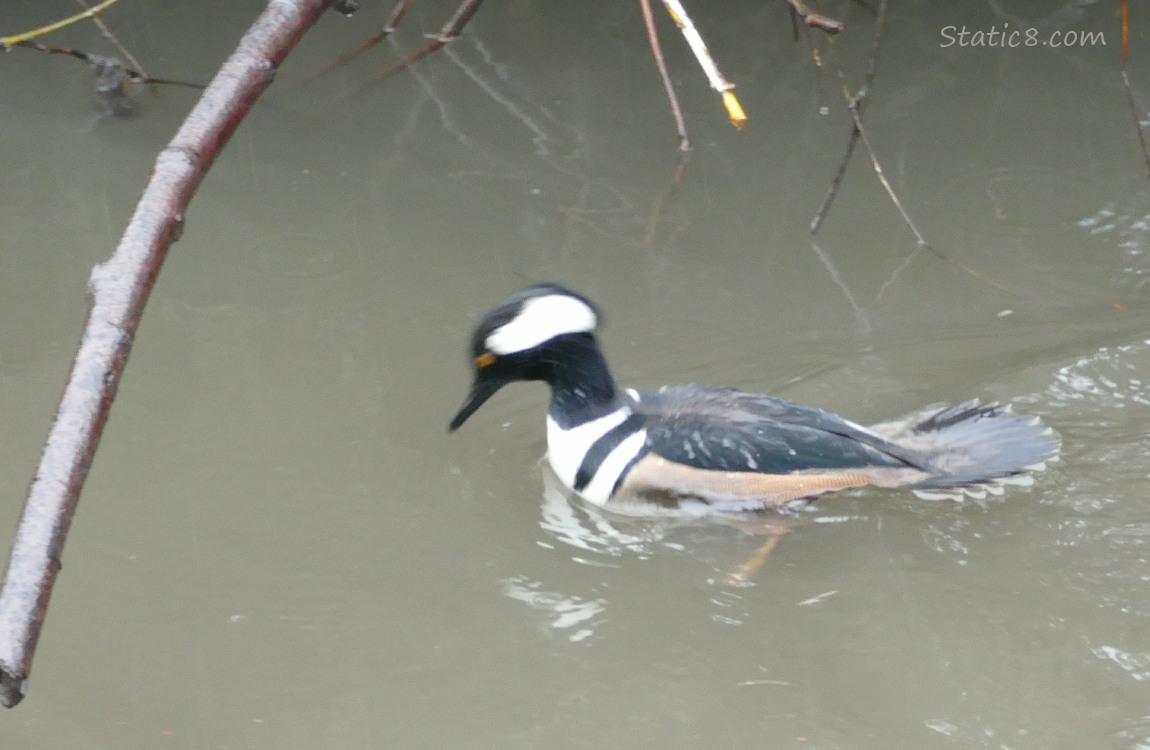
(485, 359)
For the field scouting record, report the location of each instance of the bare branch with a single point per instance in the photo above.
(1137, 120)
(882, 178)
(8, 41)
(657, 53)
(450, 31)
(114, 40)
(1126, 83)
(695, 41)
(815, 20)
(389, 28)
(857, 103)
(119, 289)
(906, 217)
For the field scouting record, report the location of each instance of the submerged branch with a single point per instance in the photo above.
(119, 289)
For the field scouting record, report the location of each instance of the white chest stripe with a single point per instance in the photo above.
(566, 450)
(598, 491)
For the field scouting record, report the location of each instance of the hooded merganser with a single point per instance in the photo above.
(692, 449)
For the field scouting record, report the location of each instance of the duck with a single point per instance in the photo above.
(693, 450)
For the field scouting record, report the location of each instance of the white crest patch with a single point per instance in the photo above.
(541, 318)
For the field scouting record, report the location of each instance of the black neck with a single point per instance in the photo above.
(582, 388)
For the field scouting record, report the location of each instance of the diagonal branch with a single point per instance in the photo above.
(657, 53)
(902, 211)
(1126, 84)
(1137, 119)
(814, 20)
(857, 104)
(8, 41)
(450, 31)
(389, 27)
(114, 40)
(695, 41)
(119, 289)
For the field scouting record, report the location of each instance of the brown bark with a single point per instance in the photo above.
(119, 289)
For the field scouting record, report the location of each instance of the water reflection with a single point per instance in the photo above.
(1137, 665)
(587, 528)
(1128, 229)
(1110, 378)
(1134, 735)
(568, 611)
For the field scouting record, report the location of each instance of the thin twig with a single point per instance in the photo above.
(706, 62)
(132, 75)
(1126, 84)
(814, 20)
(115, 42)
(397, 14)
(657, 53)
(112, 76)
(8, 41)
(906, 217)
(1137, 120)
(389, 28)
(882, 177)
(347, 57)
(836, 181)
(856, 105)
(858, 102)
(450, 31)
(1125, 31)
(875, 47)
(119, 289)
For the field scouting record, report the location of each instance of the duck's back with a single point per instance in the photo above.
(709, 449)
(724, 429)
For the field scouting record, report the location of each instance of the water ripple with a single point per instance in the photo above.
(567, 611)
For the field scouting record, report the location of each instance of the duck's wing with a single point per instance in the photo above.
(723, 429)
(711, 449)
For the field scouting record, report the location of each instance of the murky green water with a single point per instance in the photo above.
(280, 546)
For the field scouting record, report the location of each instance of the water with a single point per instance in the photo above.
(279, 544)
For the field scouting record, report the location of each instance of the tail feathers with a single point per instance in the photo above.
(979, 444)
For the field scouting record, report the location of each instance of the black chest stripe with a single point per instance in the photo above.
(602, 448)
